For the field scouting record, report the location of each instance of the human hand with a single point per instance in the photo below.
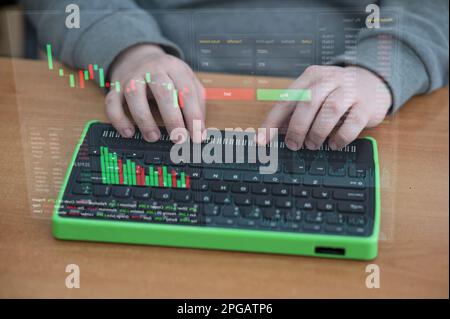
(335, 91)
(130, 70)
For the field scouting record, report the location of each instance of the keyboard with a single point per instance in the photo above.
(317, 203)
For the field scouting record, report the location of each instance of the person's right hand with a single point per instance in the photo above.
(130, 69)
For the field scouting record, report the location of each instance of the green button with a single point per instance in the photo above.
(283, 95)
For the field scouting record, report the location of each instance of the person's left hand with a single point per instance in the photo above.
(335, 91)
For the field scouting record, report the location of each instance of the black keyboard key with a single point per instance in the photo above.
(263, 201)
(252, 178)
(162, 194)
(291, 180)
(211, 210)
(142, 193)
(304, 204)
(230, 211)
(251, 212)
(220, 198)
(261, 189)
(219, 187)
(294, 215)
(334, 219)
(312, 228)
(331, 181)
(122, 192)
(212, 175)
(356, 220)
(182, 196)
(272, 179)
(102, 190)
(347, 207)
(194, 173)
(246, 223)
(354, 171)
(270, 213)
(335, 229)
(236, 188)
(154, 158)
(242, 200)
(291, 226)
(325, 206)
(199, 186)
(283, 203)
(316, 217)
(320, 193)
(223, 221)
(94, 152)
(356, 230)
(231, 176)
(202, 198)
(82, 189)
(312, 181)
(349, 195)
(134, 155)
(295, 167)
(318, 168)
(335, 170)
(280, 190)
(300, 192)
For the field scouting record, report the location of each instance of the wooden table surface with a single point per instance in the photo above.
(40, 113)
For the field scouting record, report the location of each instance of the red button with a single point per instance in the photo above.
(229, 94)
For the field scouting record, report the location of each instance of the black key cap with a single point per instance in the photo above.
(102, 191)
(202, 198)
(246, 222)
(270, 213)
(291, 226)
(294, 215)
(154, 158)
(314, 217)
(199, 186)
(351, 207)
(312, 181)
(326, 206)
(312, 228)
(252, 178)
(263, 201)
(134, 155)
(142, 193)
(236, 188)
(295, 167)
(272, 179)
(334, 218)
(242, 200)
(182, 196)
(220, 198)
(354, 171)
(283, 203)
(122, 192)
(260, 189)
(349, 195)
(82, 189)
(318, 168)
(219, 187)
(211, 210)
(231, 177)
(94, 152)
(224, 221)
(291, 180)
(194, 173)
(336, 170)
(212, 175)
(249, 212)
(320, 193)
(356, 183)
(280, 190)
(230, 211)
(335, 229)
(162, 194)
(304, 204)
(300, 192)
(356, 220)
(356, 230)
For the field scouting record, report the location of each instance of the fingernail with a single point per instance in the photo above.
(332, 145)
(204, 135)
(291, 144)
(127, 132)
(261, 138)
(310, 145)
(152, 136)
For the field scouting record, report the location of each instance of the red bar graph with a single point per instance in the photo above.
(160, 179)
(91, 72)
(119, 163)
(174, 179)
(188, 181)
(81, 78)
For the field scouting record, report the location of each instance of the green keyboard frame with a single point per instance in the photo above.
(355, 247)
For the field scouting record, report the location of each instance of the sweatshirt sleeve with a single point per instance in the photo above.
(417, 61)
(106, 29)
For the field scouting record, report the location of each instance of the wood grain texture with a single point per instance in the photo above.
(414, 245)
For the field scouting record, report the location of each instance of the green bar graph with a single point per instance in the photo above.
(61, 72)
(283, 95)
(125, 173)
(86, 74)
(72, 80)
(101, 77)
(95, 67)
(183, 180)
(133, 170)
(49, 57)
